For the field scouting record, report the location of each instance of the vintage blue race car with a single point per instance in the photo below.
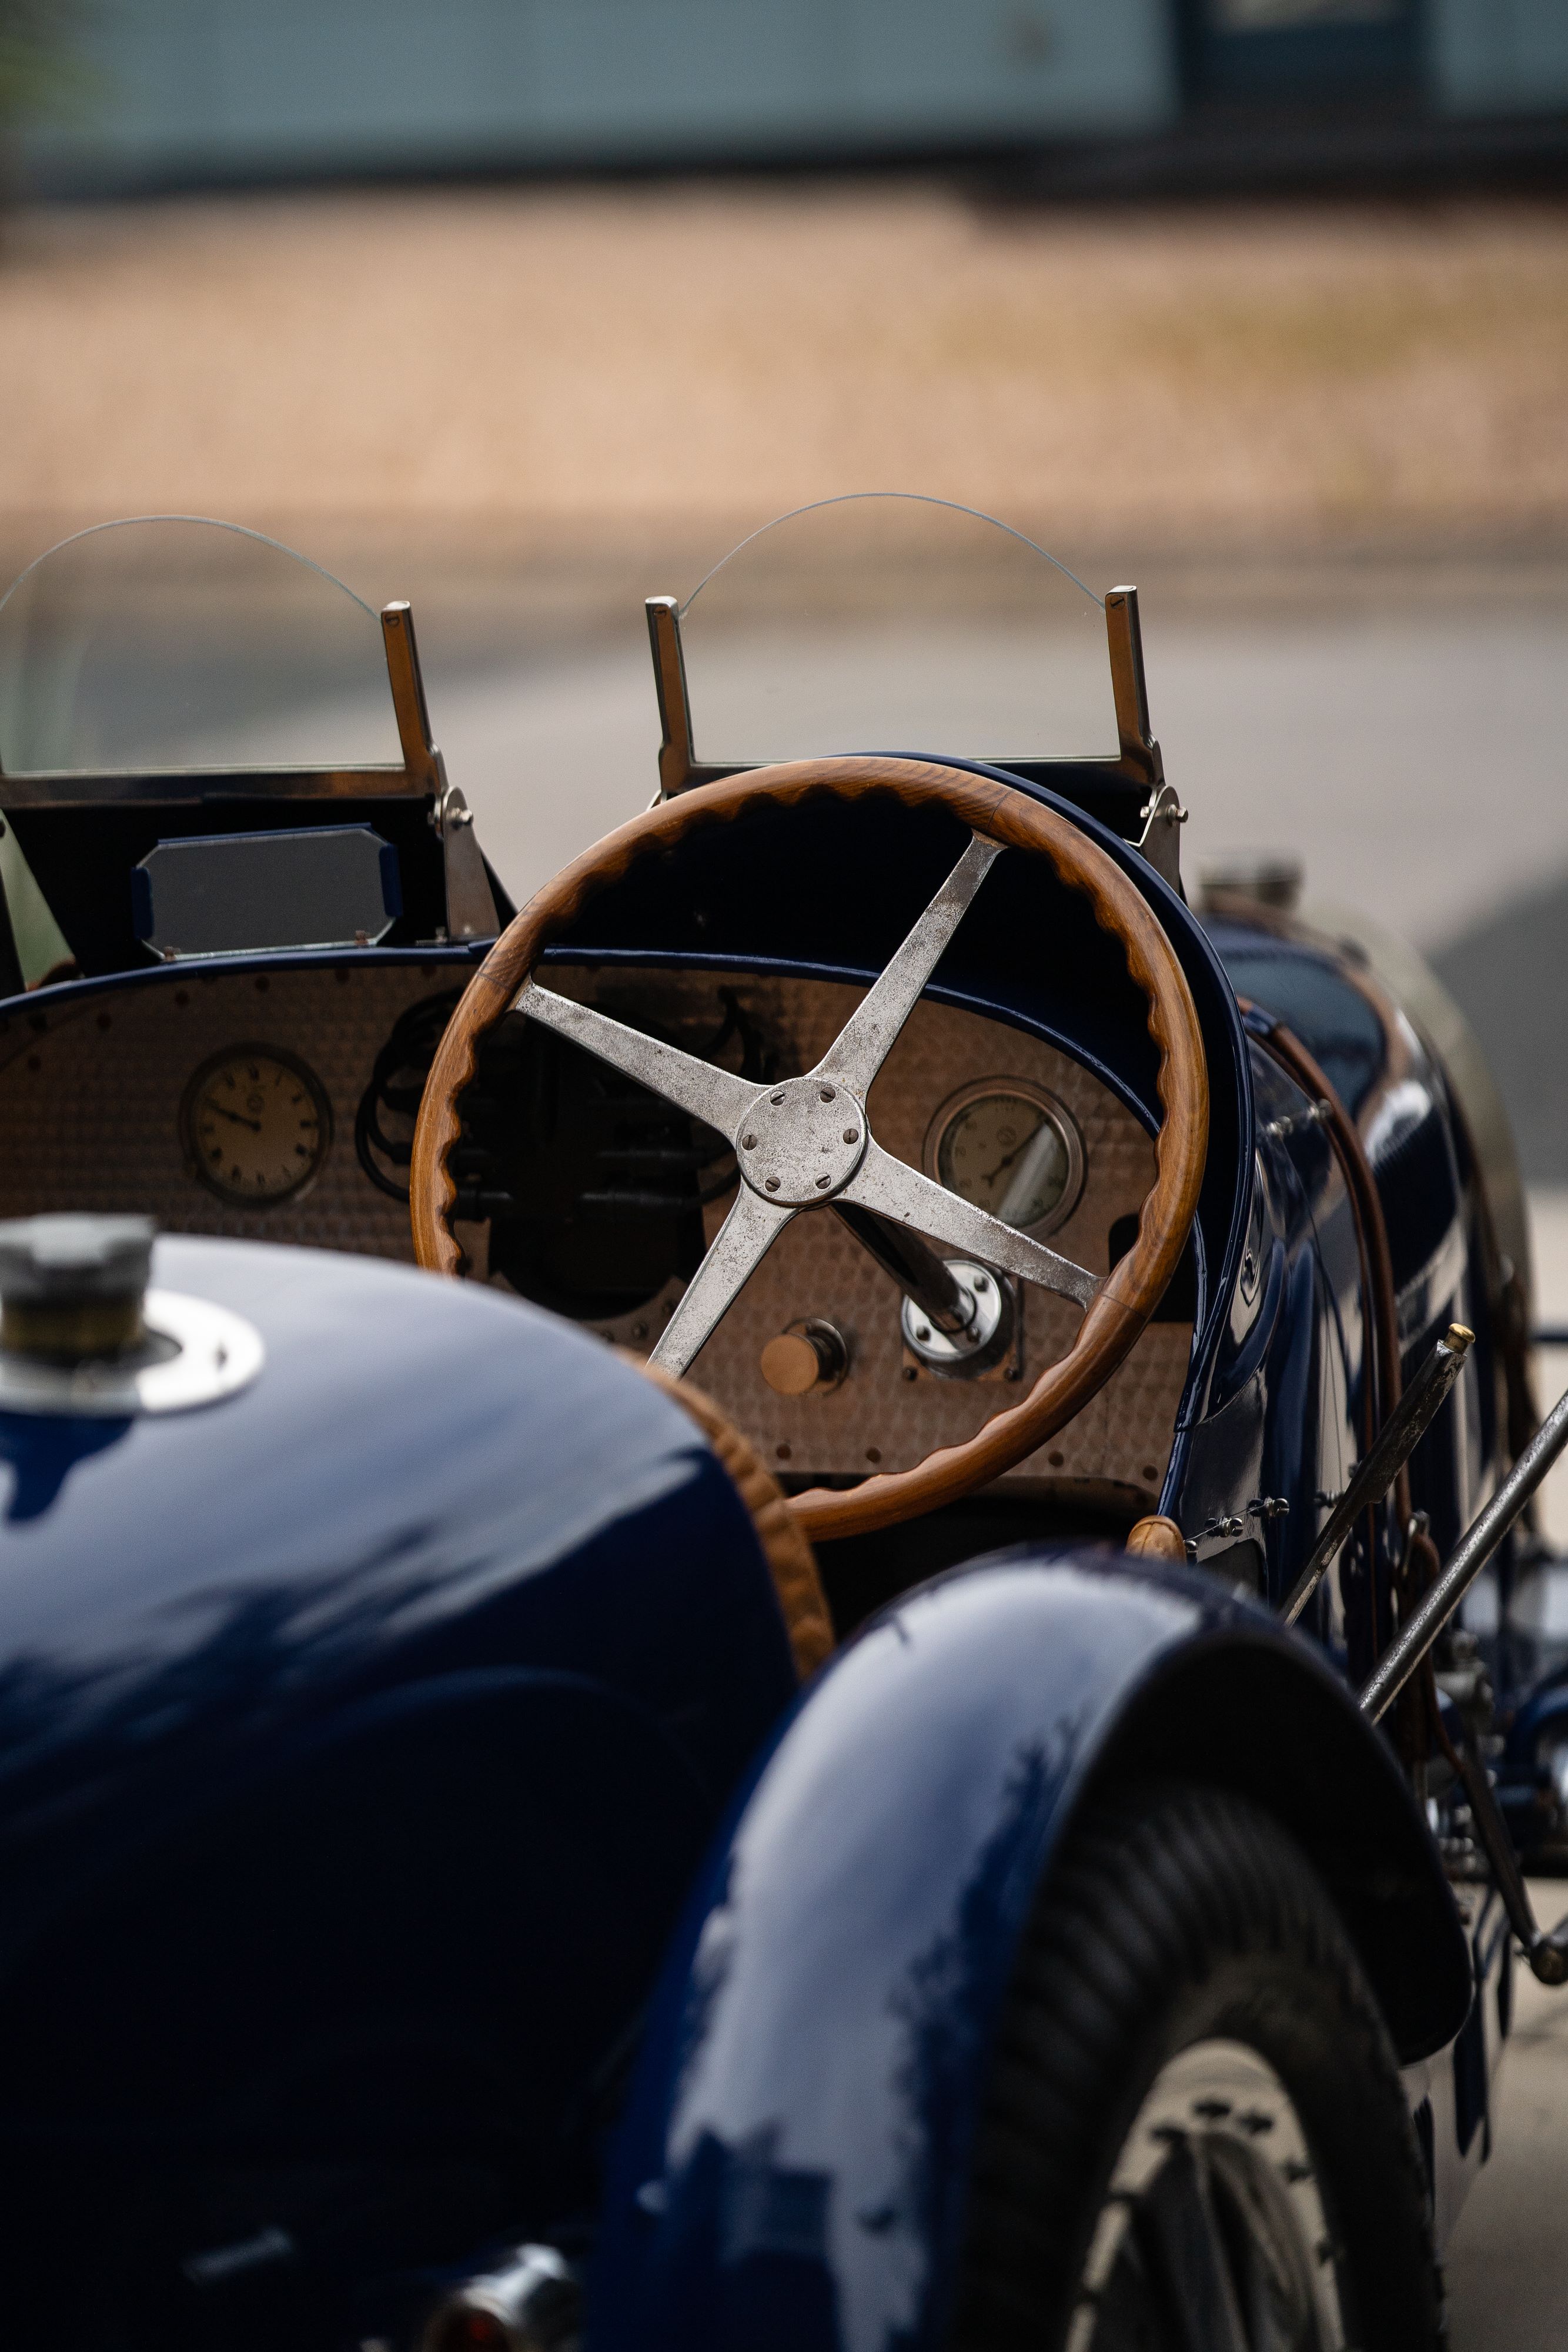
(993, 1818)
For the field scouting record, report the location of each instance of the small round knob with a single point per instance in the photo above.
(71, 1287)
(810, 1355)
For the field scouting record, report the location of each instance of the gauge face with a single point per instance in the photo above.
(256, 1125)
(1011, 1151)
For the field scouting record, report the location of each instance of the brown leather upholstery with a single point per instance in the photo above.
(786, 1546)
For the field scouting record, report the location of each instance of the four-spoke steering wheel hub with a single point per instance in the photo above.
(801, 1143)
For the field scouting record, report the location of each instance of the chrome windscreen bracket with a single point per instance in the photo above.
(1160, 841)
(470, 901)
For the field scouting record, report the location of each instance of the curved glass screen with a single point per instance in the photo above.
(169, 643)
(886, 622)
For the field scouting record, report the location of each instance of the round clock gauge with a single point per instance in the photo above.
(1011, 1149)
(255, 1124)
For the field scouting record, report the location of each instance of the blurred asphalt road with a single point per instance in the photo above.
(1508, 2265)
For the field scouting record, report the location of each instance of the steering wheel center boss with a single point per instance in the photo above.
(800, 1144)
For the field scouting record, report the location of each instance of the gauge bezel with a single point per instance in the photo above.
(1043, 1100)
(253, 1048)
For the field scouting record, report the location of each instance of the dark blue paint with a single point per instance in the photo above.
(1412, 1142)
(38, 1006)
(446, 1580)
(809, 2081)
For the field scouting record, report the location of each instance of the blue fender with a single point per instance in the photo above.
(791, 2167)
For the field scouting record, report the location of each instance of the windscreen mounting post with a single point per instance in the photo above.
(470, 901)
(1139, 753)
(677, 768)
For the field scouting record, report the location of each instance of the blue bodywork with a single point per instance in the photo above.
(792, 2168)
(354, 1726)
(363, 1739)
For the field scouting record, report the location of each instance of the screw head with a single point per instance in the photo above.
(823, 1182)
(770, 1184)
(778, 1098)
(827, 1093)
(852, 1135)
(748, 1143)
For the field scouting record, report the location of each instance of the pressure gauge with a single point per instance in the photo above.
(255, 1125)
(1011, 1149)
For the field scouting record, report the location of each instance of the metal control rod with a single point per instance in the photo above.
(914, 1265)
(1396, 1441)
(1466, 1562)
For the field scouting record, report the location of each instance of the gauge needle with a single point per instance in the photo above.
(238, 1117)
(1038, 1150)
(1007, 1157)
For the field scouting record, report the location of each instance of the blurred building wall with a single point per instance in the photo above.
(237, 87)
(190, 90)
(1502, 56)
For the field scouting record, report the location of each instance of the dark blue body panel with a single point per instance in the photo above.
(791, 2170)
(308, 1698)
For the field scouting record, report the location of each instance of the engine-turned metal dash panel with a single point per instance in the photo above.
(91, 1097)
(886, 1413)
(91, 1101)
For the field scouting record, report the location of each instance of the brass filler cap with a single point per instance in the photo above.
(72, 1287)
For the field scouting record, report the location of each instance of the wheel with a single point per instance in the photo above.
(804, 1144)
(1194, 2137)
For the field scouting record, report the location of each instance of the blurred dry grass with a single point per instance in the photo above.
(526, 363)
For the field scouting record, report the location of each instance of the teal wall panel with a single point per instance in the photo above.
(191, 88)
(1500, 57)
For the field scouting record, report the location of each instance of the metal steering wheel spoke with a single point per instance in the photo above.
(896, 1192)
(864, 1042)
(743, 1240)
(714, 1095)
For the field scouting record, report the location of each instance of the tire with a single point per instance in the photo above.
(1194, 2138)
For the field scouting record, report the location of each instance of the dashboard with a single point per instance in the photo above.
(277, 1105)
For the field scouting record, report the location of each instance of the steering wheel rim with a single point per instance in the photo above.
(1119, 1306)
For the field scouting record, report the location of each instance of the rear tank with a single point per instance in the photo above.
(359, 1731)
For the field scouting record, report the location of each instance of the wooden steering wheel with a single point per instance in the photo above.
(804, 1143)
